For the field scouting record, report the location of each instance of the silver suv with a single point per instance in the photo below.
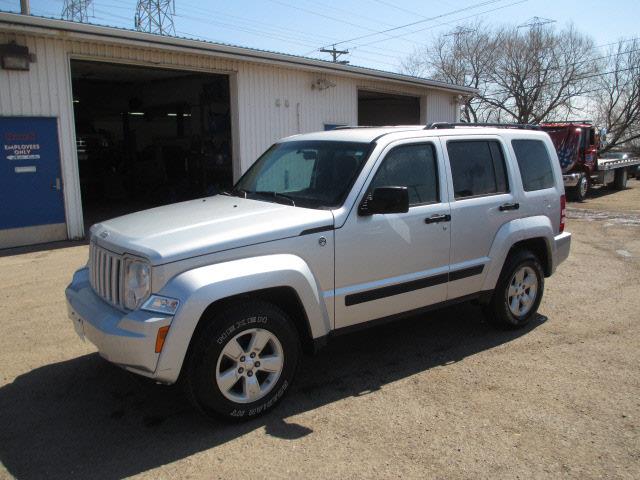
(326, 232)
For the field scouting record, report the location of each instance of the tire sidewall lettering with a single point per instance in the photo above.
(262, 407)
(239, 325)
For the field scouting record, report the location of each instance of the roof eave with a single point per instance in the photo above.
(83, 30)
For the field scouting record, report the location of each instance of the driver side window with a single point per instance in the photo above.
(411, 166)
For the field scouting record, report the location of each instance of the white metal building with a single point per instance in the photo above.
(73, 70)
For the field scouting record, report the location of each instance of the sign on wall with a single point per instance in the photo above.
(30, 181)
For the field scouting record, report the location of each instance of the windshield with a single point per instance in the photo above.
(313, 174)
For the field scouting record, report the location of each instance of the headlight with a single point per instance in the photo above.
(137, 282)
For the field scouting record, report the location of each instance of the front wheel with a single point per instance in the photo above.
(518, 292)
(580, 191)
(243, 362)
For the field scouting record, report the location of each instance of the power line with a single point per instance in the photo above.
(584, 77)
(289, 32)
(475, 15)
(399, 27)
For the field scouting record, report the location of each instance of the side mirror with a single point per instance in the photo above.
(385, 200)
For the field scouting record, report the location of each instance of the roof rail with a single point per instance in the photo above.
(351, 127)
(521, 126)
(590, 122)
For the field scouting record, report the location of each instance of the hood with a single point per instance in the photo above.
(207, 225)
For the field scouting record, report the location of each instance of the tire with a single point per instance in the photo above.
(502, 309)
(224, 380)
(580, 191)
(620, 179)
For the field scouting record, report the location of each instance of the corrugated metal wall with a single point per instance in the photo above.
(268, 102)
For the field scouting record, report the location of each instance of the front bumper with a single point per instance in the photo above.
(562, 246)
(571, 179)
(127, 339)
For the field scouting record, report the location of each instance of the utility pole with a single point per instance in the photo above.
(155, 16)
(76, 10)
(25, 9)
(335, 54)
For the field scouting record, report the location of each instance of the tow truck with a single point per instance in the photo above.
(578, 144)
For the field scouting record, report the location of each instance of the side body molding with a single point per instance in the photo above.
(538, 226)
(198, 288)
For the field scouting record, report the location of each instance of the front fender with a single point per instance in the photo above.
(510, 233)
(198, 288)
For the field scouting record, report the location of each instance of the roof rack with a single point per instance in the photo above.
(521, 126)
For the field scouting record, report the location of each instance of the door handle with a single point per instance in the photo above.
(438, 217)
(509, 206)
(56, 185)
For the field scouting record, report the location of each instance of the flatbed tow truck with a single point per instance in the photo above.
(578, 144)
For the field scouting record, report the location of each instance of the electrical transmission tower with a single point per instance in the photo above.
(536, 22)
(335, 54)
(76, 10)
(460, 31)
(155, 16)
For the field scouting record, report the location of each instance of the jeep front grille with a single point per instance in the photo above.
(105, 274)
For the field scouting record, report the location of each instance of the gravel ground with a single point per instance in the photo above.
(443, 395)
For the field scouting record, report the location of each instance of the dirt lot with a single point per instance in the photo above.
(442, 396)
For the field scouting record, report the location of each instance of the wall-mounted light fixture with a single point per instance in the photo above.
(15, 57)
(322, 84)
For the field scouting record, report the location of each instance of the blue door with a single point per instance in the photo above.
(30, 181)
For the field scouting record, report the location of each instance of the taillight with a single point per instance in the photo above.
(563, 212)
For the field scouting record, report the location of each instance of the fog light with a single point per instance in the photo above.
(159, 304)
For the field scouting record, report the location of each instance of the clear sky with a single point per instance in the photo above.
(301, 27)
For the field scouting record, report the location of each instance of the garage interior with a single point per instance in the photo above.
(148, 136)
(378, 109)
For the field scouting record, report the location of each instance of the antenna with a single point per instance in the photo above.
(335, 54)
(155, 16)
(77, 10)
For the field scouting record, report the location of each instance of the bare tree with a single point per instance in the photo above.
(617, 95)
(540, 74)
(465, 57)
(522, 75)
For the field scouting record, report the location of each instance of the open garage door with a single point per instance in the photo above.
(376, 109)
(148, 136)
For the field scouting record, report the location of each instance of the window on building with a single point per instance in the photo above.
(534, 163)
(477, 168)
(411, 166)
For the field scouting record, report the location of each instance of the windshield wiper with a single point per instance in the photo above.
(238, 192)
(275, 195)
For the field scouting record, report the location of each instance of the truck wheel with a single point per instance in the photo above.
(243, 362)
(580, 191)
(620, 179)
(518, 292)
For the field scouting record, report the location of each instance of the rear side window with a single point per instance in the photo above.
(411, 166)
(534, 163)
(477, 168)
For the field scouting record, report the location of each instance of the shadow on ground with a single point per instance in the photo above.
(84, 418)
(42, 247)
